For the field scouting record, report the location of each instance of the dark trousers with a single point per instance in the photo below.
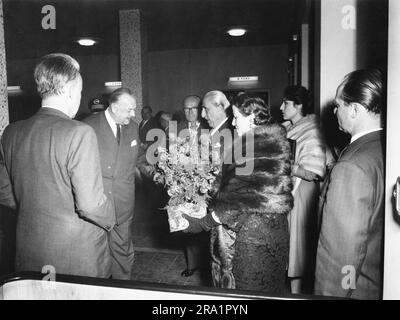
(8, 226)
(197, 250)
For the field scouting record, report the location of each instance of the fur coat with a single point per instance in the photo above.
(246, 204)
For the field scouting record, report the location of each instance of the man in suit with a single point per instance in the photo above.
(350, 246)
(118, 139)
(218, 113)
(148, 122)
(50, 172)
(196, 246)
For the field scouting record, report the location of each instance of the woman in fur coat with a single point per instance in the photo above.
(248, 213)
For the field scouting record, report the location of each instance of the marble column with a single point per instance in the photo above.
(133, 51)
(3, 78)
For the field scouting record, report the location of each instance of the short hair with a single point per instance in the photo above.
(364, 87)
(53, 72)
(116, 94)
(258, 107)
(217, 99)
(239, 98)
(148, 108)
(194, 97)
(299, 95)
(166, 115)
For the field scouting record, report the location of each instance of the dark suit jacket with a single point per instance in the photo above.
(352, 222)
(118, 163)
(223, 139)
(185, 125)
(143, 129)
(52, 164)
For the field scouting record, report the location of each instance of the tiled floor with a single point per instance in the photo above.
(165, 267)
(159, 255)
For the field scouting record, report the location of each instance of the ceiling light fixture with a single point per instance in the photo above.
(113, 84)
(14, 89)
(87, 42)
(236, 32)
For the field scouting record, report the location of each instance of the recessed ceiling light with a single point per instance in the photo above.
(236, 32)
(87, 42)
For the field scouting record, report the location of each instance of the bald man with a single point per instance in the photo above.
(196, 245)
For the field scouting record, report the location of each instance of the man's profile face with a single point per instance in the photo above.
(190, 107)
(146, 114)
(343, 113)
(213, 114)
(124, 109)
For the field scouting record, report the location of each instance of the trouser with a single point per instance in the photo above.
(8, 225)
(196, 249)
(122, 253)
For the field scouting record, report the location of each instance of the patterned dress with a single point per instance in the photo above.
(250, 249)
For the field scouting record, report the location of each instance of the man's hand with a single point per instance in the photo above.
(194, 224)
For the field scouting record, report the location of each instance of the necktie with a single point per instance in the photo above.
(118, 133)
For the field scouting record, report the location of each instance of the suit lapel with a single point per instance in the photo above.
(109, 140)
(106, 131)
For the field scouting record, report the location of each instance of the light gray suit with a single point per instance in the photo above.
(50, 171)
(351, 237)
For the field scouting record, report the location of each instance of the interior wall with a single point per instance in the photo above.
(391, 284)
(95, 70)
(172, 75)
(343, 47)
(176, 74)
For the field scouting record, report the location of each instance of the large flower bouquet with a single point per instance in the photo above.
(188, 175)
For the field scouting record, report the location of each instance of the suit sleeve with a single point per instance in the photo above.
(85, 173)
(346, 219)
(6, 192)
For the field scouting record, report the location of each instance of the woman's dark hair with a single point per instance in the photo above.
(299, 95)
(239, 98)
(364, 87)
(258, 107)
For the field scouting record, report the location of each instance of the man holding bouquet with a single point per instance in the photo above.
(196, 246)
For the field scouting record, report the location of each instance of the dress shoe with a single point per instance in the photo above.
(188, 272)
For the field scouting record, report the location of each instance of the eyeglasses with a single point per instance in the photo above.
(190, 109)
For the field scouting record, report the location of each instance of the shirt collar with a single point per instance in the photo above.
(57, 108)
(363, 133)
(111, 121)
(197, 125)
(218, 127)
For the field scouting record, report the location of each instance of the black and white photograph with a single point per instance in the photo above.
(199, 150)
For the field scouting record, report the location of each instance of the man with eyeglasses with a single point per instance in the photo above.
(196, 245)
(192, 122)
(118, 137)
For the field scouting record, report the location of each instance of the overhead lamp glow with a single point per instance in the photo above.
(14, 89)
(236, 32)
(113, 84)
(87, 42)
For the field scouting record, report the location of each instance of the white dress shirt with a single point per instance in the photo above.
(111, 122)
(360, 134)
